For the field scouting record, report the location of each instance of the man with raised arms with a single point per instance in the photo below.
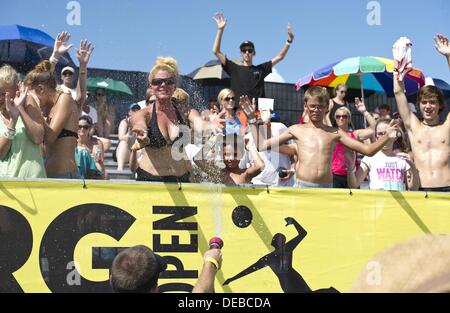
(430, 140)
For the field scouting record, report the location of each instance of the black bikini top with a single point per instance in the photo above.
(65, 132)
(157, 139)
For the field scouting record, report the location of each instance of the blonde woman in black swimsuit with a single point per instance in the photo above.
(158, 128)
(61, 114)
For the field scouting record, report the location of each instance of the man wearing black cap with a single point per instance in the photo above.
(247, 79)
(137, 269)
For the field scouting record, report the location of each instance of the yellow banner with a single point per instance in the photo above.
(62, 237)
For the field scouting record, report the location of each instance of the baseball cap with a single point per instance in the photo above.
(68, 68)
(134, 106)
(247, 43)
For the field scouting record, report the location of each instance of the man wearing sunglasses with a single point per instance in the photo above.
(137, 269)
(67, 76)
(247, 79)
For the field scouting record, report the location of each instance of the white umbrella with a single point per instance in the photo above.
(211, 70)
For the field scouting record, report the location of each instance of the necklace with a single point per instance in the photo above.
(437, 124)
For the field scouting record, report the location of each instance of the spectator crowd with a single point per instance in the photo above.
(50, 130)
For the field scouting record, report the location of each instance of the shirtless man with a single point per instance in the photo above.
(430, 140)
(315, 141)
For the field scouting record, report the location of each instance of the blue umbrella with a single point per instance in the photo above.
(24, 47)
(441, 84)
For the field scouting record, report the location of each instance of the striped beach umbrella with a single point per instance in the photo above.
(364, 73)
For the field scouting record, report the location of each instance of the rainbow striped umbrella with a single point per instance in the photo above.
(364, 73)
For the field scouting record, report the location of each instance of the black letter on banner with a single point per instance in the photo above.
(16, 242)
(175, 287)
(175, 245)
(62, 235)
(170, 223)
(179, 272)
(178, 213)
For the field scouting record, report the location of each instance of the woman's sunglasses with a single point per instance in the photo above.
(83, 126)
(160, 81)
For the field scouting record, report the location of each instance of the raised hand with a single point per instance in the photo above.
(12, 116)
(248, 107)
(219, 121)
(21, 95)
(393, 130)
(61, 44)
(290, 33)
(289, 221)
(13, 105)
(220, 19)
(85, 51)
(401, 51)
(442, 45)
(360, 106)
(141, 138)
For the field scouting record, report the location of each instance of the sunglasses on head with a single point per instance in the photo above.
(342, 116)
(83, 126)
(228, 99)
(160, 81)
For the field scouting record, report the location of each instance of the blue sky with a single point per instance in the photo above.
(131, 34)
